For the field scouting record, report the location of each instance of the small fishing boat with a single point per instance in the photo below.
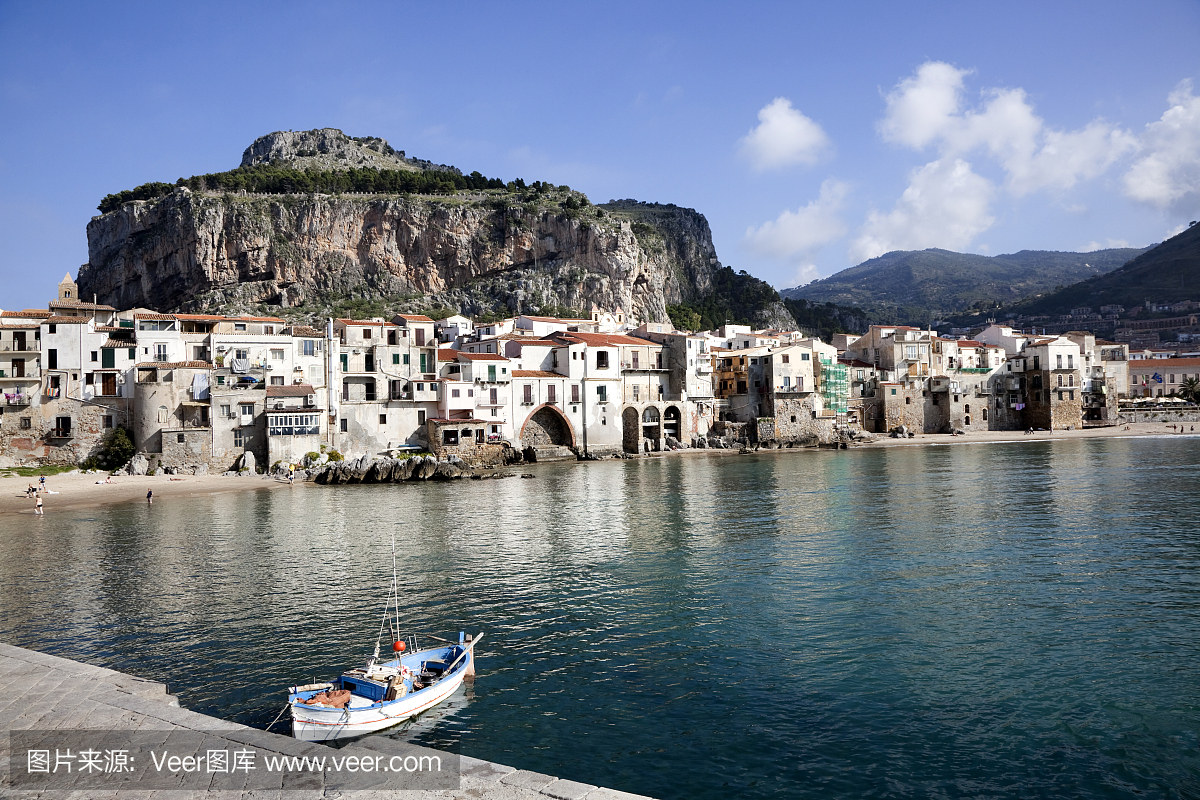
(384, 692)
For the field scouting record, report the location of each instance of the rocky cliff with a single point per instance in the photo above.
(518, 249)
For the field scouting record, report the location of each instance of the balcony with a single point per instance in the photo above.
(17, 399)
(487, 403)
(246, 420)
(29, 347)
(641, 367)
(60, 433)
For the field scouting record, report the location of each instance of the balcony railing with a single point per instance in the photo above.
(488, 403)
(17, 399)
(60, 433)
(30, 347)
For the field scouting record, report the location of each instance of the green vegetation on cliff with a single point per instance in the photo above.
(736, 297)
(270, 179)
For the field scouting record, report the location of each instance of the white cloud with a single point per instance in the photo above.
(922, 107)
(945, 205)
(1167, 175)
(926, 109)
(784, 137)
(1093, 245)
(796, 234)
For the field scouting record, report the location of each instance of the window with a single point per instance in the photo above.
(550, 394)
(277, 380)
(96, 357)
(53, 328)
(225, 412)
(1060, 380)
(132, 353)
(574, 393)
(985, 414)
(527, 397)
(383, 419)
(635, 394)
(345, 424)
(270, 329)
(52, 357)
(602, 394)
(804, 357)
(395, 358)
(276, 354)
(493, 397)
(420, 387)
(1071, 380)
(419, 333)
(239, 326)
(89, 378)
(242, 354)
(406, 360)
(1059, 363)
(454, 392)
(1071, 395)
(449, 437)
(893, 391)
(179, 438)
(366, 333)
(26, 423)
(220, 380)
(308, 347)
(239, 438)
(908, 401)
(785, 359)
(602, 359)
(1070, 361)
(162, 414)
(420, 417)
(369, 362)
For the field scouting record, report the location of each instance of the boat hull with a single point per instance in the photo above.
(313, 723)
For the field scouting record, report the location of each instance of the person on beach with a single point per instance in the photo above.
(291, 476)
(37, 506)
(30, 492)
(150, 496)
(42, 483)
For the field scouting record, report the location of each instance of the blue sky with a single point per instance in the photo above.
(811, 135)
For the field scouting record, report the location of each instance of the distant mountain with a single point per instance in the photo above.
(1170, 271)
(921, 286)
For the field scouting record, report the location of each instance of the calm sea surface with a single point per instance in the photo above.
(1018, 620)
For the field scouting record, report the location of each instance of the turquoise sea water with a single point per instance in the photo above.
(1017, 620)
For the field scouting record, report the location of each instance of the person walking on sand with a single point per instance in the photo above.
(37, 506)
(42, 483)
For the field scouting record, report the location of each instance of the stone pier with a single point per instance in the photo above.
(57, 697)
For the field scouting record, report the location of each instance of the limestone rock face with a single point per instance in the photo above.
(191, 251)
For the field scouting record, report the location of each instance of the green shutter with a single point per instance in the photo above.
(423, 362)
(345, 362)
(406, 358)
(133, 354)
(108, 358)
(491, 372)
(395, 358)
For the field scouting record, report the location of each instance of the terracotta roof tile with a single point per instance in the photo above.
(305, 330)
(29, 312)
(535, 373)
(165, 317)
(295, 390)
(480, 356)
(67, 320)
(79, 304)
(596, 339)
(415, 318)
(177, 365)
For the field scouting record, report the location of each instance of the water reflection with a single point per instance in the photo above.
(918, 621)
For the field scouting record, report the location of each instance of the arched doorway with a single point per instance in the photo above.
(651, 429)
(672, 422)
(630, 430)
(547, 427)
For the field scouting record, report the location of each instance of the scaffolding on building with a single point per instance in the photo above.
(835, 385)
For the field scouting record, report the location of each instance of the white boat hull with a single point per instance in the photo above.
(314, 723)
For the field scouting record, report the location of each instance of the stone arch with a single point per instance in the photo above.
(673, 422)
(546, 426)
(631, 429)
(651, 427)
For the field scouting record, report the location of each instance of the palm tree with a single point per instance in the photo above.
(1190, 390)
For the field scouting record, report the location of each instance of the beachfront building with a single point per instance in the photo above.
(1161, 377)
(295, 423)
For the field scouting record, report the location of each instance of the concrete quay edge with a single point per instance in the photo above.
(33, 697)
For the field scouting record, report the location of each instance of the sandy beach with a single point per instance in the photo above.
(78, 491)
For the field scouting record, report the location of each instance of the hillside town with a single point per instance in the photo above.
(202, 393)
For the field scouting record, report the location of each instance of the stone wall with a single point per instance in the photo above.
(1168, 417)
(192, 455)
(794, 423)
